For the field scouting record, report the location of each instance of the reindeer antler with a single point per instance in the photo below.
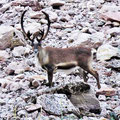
(26, 34)
(40, 33)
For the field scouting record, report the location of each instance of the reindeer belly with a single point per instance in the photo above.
(67, 67)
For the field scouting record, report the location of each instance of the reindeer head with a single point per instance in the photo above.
(37, 37)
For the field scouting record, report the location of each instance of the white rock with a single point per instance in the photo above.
(20, 50)
(102, 97)
(112, 8)
(53, 16)
(18, 67)
(5, 29)
(4, 55)
(56, 25)
(105, 52)
(22, 113)
(14, 86)
(5, 7)
(113, 30)
(33, 107)
(4, 82)
(6, 35)
(32, 27)
(79, 37)
(55, 103)
(98, 36)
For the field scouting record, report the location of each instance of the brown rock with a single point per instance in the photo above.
(113, 16)
(57, 3)
(35, 83)
(106, 92)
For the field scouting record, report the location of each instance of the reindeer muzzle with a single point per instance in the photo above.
(35, 47)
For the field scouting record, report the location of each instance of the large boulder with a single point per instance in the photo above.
(106, 52)
(70, 98)
(10, 37)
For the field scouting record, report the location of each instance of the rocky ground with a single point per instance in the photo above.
(73, 22)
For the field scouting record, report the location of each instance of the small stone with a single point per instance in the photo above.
(2, 102)
(102, 97)
(20, 76)
(57, 3)
(35, 83)
(22, 113)
(33, 107)
(56, 25)
(9, 71)
(18, 51)
(4, 55)
(116, 24)
(102, 118)
(53, 16)
(85, 30)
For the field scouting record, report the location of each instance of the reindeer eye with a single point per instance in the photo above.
(30, 42)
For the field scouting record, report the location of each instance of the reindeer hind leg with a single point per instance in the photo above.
(96, 75)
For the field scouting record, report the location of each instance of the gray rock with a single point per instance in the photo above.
(56, 104)
(81, 97)
(87, 102)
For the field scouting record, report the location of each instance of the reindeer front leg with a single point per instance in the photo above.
(50, 76)
(85, 76)
(50, 69)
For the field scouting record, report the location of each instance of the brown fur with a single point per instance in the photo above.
(69, 57)
(61, 58)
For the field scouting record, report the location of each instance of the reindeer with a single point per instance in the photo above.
(52, 59)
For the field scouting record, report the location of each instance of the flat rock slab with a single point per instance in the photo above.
(113, 16)
(33, 107)
(106, 92)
